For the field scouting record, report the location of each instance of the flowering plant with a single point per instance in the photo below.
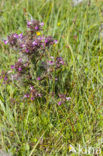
(34, 64)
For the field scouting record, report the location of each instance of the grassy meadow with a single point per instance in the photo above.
(42, 127)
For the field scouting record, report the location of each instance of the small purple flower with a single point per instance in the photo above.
(5, 78)
(26, 96)
(34, 43)
(62, 62)
(31, 87)
(36, 28)
(68, 98)
(50, 62)
(59, 61)
(32, 98)
(59, 58)
(20, 69)
(39, 95)
(42, 24)
(38, 78)
(12, 66)
(49, 41)
(22, 45)
(16, 36)
(55, 41)
(59, 103)
(27, 50)
(46, 41)
(20, 59)
(21, 35)
(29, 23)
(5, 41)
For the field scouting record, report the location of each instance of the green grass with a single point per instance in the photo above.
(28, 129)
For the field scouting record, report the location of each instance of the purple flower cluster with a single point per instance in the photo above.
(31, 46)
(35, 44)
(51, 61)
(20, 67)
(58, 62)
(31, 43)
(13, 39)
(49, 41)
(33, 93)
(34, 25)
(63, 99)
